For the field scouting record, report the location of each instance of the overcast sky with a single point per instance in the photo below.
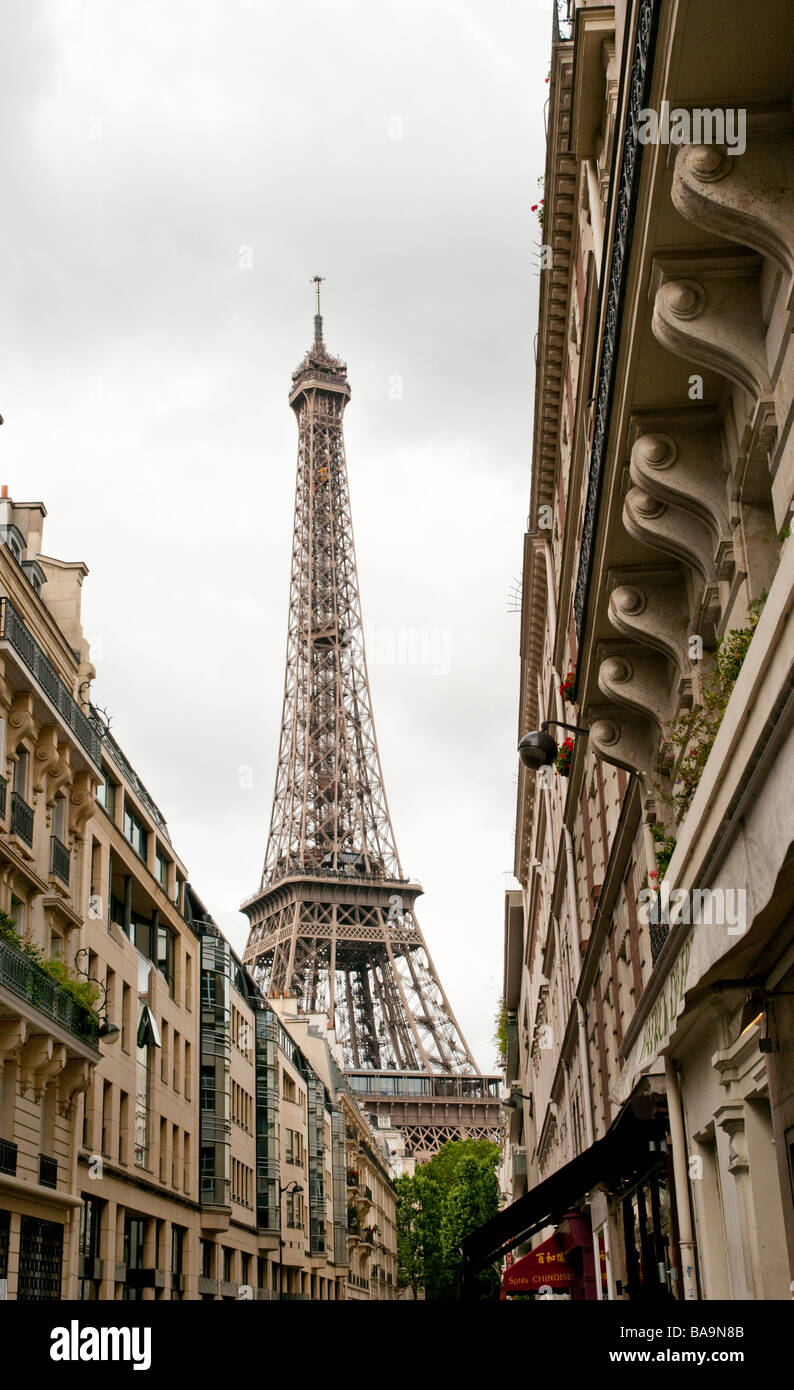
(173, 174)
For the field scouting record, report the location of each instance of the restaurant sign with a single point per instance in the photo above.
(545, 1265)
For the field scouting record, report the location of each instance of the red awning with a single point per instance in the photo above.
(546, 1264)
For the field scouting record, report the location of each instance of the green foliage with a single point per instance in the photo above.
(445, 1200)
(471, 1201)
(83, 992)
(443, 1168)
(500, 1035)
(693, 733)
(564, 758)
(664, 853)
(418, 1217)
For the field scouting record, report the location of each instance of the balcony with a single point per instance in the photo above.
(59, 860)
(23, 977)
(22, 819)
(3, 792)
(48, 1171)
(8, 1158)
(14, 631)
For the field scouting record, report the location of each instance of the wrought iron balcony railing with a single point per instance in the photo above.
(3, 792)
(14, 630)
(59, 860)
(26, 979)
(48, 1171)
(8, 1158)
(21, 819)
(563, 27)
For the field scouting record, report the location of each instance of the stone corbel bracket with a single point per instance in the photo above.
(41, 1058)
(749, 198)
(13, 1036)
(686, 473)
(671, 529)
(625, 738)
(21, 720)
(715, 321)
(73, 1080)
(81, 802)
(652, 608)
(639, 678)
(60, 775)
(45, 757)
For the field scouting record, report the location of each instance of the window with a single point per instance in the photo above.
(106, 795)
(177, 1248)
(207, 1258)
(134, 1235)
(227, 1264)
(135, 832)
(165, 955)
(90, 1231)
(17, 913)
(124, 1102)
(161, 869)
(59, 818)
(126, 1017)
(21, 772)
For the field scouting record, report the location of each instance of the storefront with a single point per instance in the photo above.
(612, 1211)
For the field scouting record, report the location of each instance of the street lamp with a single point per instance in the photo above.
(511, 1101)
(296, 1187)
(106, 1029)
(538, 749)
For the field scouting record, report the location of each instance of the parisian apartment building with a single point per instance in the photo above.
(166, 1131)
(649, 942)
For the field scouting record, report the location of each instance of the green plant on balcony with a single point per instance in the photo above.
(539, 207)
(500, 1035)
(564, 758)
(566, 686)
(691, 736)
(83, 992)
(664, 852)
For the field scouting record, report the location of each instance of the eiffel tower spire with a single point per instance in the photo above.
(333, 923)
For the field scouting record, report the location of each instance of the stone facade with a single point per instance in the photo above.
(649, 950)
(173, 1141)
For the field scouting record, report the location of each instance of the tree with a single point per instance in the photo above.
(446, 1198)
(443, 1167)
(472, 1200)
(418, 1220)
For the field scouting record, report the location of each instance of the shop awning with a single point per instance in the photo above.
(631, 1145)
(546, 1265)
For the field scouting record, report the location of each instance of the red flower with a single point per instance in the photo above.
(534, 207)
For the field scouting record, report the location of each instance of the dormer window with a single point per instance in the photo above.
(35, 574)
(15, 541)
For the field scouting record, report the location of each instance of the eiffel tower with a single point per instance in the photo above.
(333, 925)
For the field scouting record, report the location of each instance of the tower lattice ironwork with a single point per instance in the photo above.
(334, 924)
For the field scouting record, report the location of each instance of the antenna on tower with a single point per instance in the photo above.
(317, 280)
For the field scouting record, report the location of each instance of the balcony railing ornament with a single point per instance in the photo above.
(639, 99)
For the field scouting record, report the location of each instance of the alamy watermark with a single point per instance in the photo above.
(720, 907)
(703, 125)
